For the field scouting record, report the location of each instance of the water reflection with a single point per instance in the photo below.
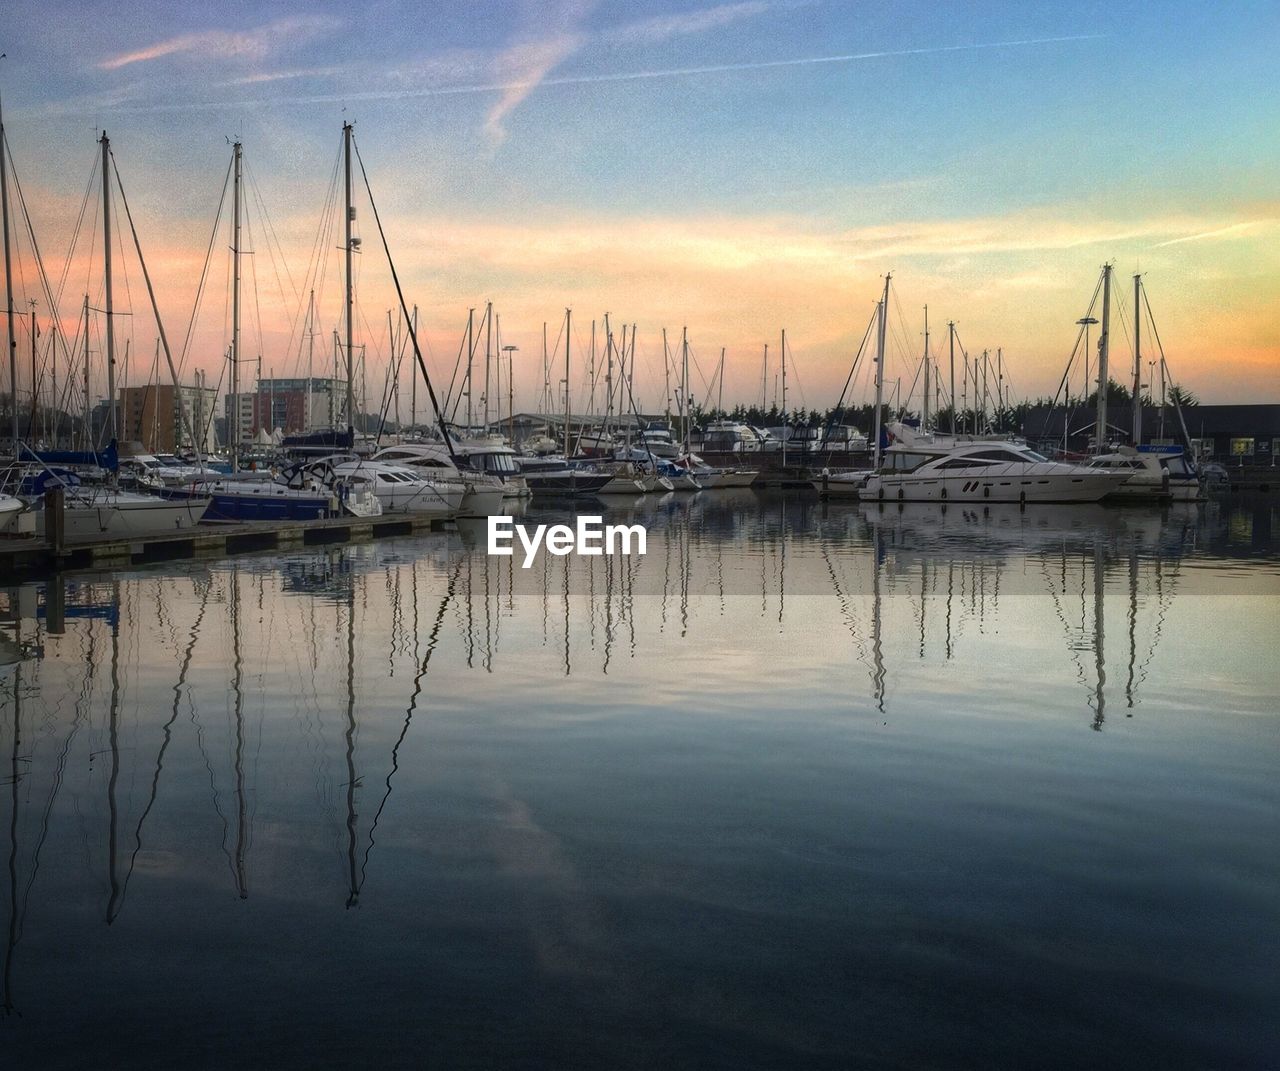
(151, 717)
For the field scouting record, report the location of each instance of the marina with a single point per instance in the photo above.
(582, 535)
(231, 783)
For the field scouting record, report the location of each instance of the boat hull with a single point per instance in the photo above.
(1082, 487)
(115, 515)
(229, 504)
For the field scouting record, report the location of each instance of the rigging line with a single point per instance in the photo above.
(204, 273)
(155, 309)
(84, 204)
(395, 278)
(318, 258)
(257, 303)
(270, 236)
(47, 290)
(857, 357)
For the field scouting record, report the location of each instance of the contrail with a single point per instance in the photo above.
(591, 79)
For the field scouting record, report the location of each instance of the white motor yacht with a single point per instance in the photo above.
(403, 489)
(482, 492)
(982, 471)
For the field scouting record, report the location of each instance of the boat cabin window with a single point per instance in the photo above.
(966, 463)
(905, 461)
(503, 464)
(1176, 465)
(1004, 453)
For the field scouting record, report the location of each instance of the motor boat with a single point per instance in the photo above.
(1154, 474)
(843, 484)
(729, 437)
(556, 476)
(982, 471)
(493, 457)
(403, 489)
(482, 491)
(656, 440)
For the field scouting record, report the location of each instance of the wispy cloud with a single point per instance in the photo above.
(662, 28)
(528, 65)
(553, 33)
(255, 44)
(265, 77)
(1230, 231)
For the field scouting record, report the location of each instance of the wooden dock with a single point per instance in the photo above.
(30, 558)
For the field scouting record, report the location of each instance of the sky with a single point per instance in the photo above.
(730, 168)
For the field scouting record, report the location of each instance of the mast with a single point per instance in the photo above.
(924, 409)
(608, 368)
(951, 344)
(1137, 360)
(31, 428)
(471, 349)
(88, 397)
(786, 429)
(568, 323)
(1100, 431)
(311, 347)
(413, 380)
(350, 299)
(720, 395)
(234, 429)
(666, 375)
(488, 356)
(880, 330)
(106, 260)
(1000, 377)
(684, 385)
(8, 285)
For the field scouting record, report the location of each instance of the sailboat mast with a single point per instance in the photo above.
(951, 345)
(106, 260)
(471, 350)
(568, 323)
(8, 285)
(1100, 431)
(88, 397)
(350, 301)
(924, 409)
(413, 380)
(233, 425)
(785, 428)
(311, 347)
(880, 329)
(666, 375)
(1137, 360)
(684, 384)
(488, 357)
(720, 395)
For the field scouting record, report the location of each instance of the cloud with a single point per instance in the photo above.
(662, 28)
(522, 68)
(255, 44)
(1230, 231)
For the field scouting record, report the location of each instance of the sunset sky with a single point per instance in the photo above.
(737, 168)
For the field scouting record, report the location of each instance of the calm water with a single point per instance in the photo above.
(805, 786)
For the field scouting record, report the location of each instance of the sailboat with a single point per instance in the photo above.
(1155, 472)
(90, 511)
(306, 491)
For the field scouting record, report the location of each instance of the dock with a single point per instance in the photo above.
(32, 558)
